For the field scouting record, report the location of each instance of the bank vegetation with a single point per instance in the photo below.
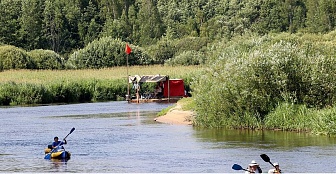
(282, 81)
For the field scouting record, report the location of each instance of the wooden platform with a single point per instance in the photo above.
(162, 100)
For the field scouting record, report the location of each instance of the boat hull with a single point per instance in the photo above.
(60, 154)
(161, 100)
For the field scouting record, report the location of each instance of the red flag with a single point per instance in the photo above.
(128, 49)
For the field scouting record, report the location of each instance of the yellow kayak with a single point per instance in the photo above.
(58, 154)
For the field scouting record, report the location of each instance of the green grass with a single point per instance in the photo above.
(165, 110)
(47, 76)
(187, 104)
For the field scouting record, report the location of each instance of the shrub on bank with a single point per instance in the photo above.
(288, 116)
(187, 58)
(22, 94)
(249, 78)
(47, 59)
(12, 57)
(110, 90)
(106, 52)
(61, 92)
(291, 117)
(324, 121)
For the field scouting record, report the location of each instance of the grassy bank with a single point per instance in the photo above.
(22, 87)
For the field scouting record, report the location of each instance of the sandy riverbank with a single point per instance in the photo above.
(176, 116)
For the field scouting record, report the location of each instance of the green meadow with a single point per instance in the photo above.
(26, 87)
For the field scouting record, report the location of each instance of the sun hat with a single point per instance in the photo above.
(276, 164)
(253, 163)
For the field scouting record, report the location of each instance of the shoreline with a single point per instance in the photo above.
(176, 116)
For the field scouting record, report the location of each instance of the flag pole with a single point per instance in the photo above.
(128, 85)
(128, 51)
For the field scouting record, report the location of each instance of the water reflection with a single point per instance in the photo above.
(59, 165)
(262, 139)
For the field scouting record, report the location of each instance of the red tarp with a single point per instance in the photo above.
(176, 88)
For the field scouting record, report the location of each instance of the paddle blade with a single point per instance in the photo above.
(237, 167)
(265, 158)
(73, 129)
(47, 156)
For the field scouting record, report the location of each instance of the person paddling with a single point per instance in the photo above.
(57, 143)
(253, 167)
(276, 169)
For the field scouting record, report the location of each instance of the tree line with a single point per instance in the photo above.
(65, 26)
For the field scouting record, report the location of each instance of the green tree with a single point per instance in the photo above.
(317, 18)
(89, 26)
(273, 17)
(150, 24)
(10, 11)
(31, 24)
(72, 14)
(296, 14)
(53, 24)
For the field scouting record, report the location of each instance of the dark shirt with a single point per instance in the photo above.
(58, 143)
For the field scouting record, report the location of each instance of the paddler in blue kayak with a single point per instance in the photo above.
(57, 143)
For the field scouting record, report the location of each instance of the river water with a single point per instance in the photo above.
(118, 137)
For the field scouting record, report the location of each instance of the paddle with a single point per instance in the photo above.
(238, 167)
(48, 156)
(267, 159)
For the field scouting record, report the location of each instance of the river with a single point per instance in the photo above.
(118, 137)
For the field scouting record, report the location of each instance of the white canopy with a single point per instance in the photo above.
(147, 78)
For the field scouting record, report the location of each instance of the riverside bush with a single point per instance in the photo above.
(47, 59)
(61, 92)
(288, 116)
(249, 78)
(106, 52)
(22, 94)
(291, 117)
(324, 121)
(187, 58)
(12, 57)
(187, 51)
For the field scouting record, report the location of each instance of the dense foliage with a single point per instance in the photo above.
(14, 58)
(66, 26)
(46, 59)
(61, 92)
(106, 52)
(250, 77)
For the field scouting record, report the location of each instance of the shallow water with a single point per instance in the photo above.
(118, 137)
